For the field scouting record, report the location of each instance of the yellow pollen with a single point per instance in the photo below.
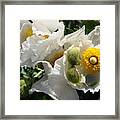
(45, 36)
(29, 32)
(91, 60)
(25, 33)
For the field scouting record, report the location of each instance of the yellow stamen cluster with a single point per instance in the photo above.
(25, 33)
(45, 36)
(91, 60)
(29, 32)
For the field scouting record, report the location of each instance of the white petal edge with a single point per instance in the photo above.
(47, 66)
(45, 26)
(38, 26)
(22, 22)
(73, 38)
(94, 36)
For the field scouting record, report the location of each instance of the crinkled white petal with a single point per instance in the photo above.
(59, 65)
(40, 28)
(45, 26)
(27, 49)
(55, 84)
(73, 38)
(28, 62)
(36, 48)
(52, 25)
(60, 33)
(91, 89)
(84, 44)
(43, 86)
(54, 55)
(94, 36)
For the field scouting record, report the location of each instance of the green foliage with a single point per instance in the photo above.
(28, 76)
(74, 25)
(23, 89)
(71, 26)
(89, 25)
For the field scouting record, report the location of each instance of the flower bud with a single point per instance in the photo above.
(73, 75)
(73, 56)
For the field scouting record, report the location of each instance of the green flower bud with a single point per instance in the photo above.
(73, 75)
(73, 56)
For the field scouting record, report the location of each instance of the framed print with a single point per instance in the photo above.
(60, 60)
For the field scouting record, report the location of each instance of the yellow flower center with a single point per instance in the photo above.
(29, 32)
(91, 60)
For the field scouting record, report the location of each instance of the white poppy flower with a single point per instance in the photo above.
(56, 83)
(85, 73)
(42, 42)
